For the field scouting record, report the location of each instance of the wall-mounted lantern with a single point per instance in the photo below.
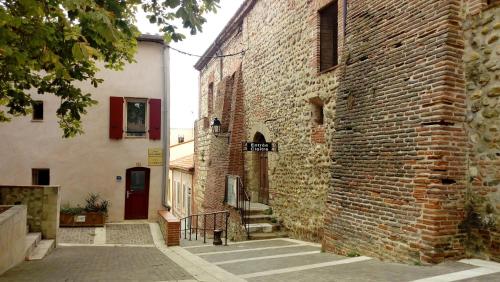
(217, 129)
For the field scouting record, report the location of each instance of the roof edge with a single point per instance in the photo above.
(228, 30)
(151, 38)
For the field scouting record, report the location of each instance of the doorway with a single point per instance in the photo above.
(261, 170)
(137, 193)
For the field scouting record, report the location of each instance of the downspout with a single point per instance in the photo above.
(221, 63)
(166, 125)
(345, 18)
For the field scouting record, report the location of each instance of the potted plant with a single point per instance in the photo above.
(93, 214)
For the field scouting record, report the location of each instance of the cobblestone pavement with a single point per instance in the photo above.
(99, 264)
(76, 235)
(135, 234)
(292, 260)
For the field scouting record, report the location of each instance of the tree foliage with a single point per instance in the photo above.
(48, 45)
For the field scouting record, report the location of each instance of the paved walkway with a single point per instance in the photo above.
(118, 252)
(292, 260)
(137, 252)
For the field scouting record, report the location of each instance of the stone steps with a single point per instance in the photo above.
(43, 248)
(268, 235)
(36, 248)
(261, 223)
(263, 227)
(260, 218)
(32, 240)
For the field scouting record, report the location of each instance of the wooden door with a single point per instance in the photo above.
(263, 179)
(137, 193)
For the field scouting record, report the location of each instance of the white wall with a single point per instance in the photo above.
(89, 162)
(181, 209)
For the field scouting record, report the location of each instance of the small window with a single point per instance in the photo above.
(210, 99)
(328, 36)
(40, 176)
(180, 139)
(137, 180)
(317, 111)
(37, 110)
(136, 117)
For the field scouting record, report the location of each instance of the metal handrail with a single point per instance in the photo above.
(195, 228)
(244, 210)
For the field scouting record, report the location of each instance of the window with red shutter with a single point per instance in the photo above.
(115, 117)
(155, 119)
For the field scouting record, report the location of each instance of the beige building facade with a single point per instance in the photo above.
(118, 156)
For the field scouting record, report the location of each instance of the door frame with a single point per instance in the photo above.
(261, 167)
(127, 212)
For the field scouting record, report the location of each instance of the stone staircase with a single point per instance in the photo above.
(263, 224)
(36, 248)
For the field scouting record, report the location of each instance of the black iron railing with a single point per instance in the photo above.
(244, 206)
(204, 224)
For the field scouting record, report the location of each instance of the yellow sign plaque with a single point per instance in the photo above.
(155, 157)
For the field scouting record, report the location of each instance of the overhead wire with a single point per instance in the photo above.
(242, 52)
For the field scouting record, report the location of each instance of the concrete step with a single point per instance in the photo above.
(268, 235)
(42, 249)
(32, 240)
(263, 227)
(260, 218)
(257, 207)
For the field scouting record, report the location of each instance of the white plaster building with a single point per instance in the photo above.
(111, 157)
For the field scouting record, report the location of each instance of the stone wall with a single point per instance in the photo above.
(482, 69)
(387, 172)
(12, 236)
(43, 204)
(279, 76)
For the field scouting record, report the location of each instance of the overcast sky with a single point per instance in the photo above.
(183, 76)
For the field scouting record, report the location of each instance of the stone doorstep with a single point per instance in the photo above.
(257, 207)
(263, 227)
(260, 218)
(43, 248)
(267, 235)
(32, 240)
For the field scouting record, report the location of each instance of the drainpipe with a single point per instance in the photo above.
(221, 62)
(166, 125)
(345, 17)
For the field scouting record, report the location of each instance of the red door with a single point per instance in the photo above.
(137, 193)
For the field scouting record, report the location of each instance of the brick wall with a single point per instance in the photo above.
(385, 174)
(279, 76)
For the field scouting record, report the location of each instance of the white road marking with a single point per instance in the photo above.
(455, 276)
(304, 267)
(248, 250)
(268, 257)
(231, 243)
(100, 236)
(103, 245)
(301, 242)
(199, 268)
(485, 268)
(482, 263)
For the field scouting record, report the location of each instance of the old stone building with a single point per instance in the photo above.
(382, 115)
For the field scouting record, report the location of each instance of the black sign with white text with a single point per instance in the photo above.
(259, 147)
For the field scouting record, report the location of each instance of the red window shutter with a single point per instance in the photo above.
(155, 119)
(115, 117)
